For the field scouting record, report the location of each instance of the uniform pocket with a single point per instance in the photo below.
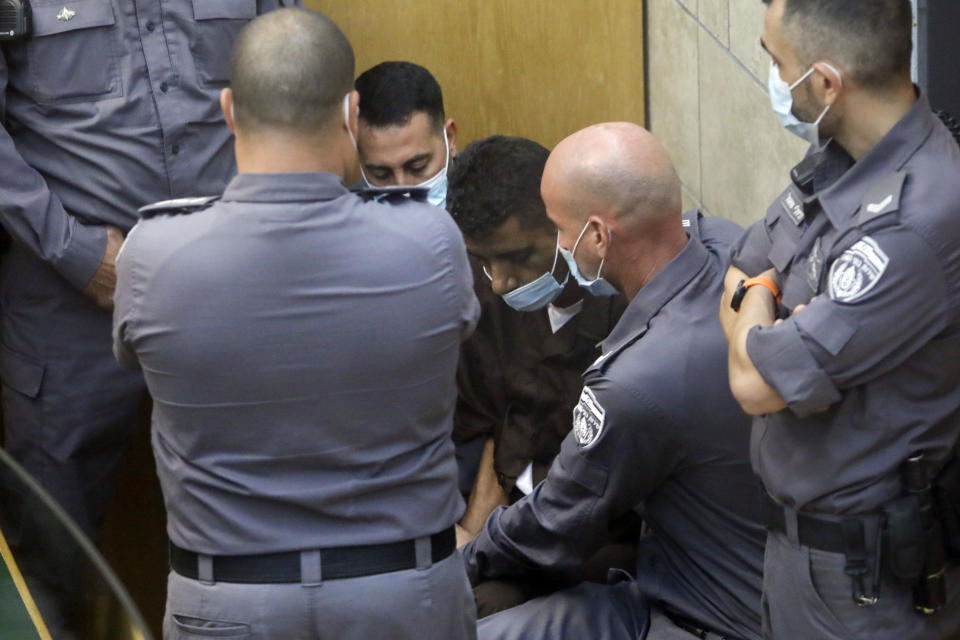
(72, 54)
(20, 373)
(218, 23)
(192, 627)
(828, 594)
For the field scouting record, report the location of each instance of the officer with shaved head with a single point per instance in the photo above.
(301, 345)
(656, 430)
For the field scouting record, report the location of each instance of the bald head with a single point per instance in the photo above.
(290, 70)
(616, 168)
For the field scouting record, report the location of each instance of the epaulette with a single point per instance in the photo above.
(178, 206)
(392, 194)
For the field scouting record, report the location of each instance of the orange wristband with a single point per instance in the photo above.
(763, 281)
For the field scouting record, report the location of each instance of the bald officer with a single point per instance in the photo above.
(655, 430)
(841, 308)
(301, 346)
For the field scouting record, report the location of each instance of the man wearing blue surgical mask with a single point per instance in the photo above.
(404, 137)
(842, 327)
(520, 376)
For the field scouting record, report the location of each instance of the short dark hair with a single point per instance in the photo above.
(290, 69)
(493, 180)
(872, 39)
(392, 91)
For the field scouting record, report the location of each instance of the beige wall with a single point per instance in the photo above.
(534, 68)
(708, 103)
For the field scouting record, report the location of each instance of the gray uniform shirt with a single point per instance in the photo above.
(107, 106)
(300, 346)
(870, 369)
(656, 430)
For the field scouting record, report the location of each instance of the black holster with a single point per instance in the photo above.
(914, 546)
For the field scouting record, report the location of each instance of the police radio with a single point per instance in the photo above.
(15, 20)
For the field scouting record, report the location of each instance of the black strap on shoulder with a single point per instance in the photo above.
(951, 123)
(392, 194)
(179, 206)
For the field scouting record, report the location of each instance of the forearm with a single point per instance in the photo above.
(35, 217)
(727, 315)
(487, 494)
(755, 396)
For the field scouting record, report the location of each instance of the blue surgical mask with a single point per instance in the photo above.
(598, 286)
(781, 97)
(538, 293)
(437, 185)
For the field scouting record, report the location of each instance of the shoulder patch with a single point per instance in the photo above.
(857, 270)
(588, 418)
(177, 206)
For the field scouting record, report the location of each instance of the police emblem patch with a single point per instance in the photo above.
(588, 418)
(857, 271)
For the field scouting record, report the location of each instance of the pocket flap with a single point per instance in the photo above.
(20, 373)
(230, 9)
(71, 15)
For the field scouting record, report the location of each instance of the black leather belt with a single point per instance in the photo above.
(335, 562)
(825, 534)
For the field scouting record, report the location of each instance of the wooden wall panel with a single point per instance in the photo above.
(535, 68)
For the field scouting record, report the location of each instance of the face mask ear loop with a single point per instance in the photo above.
(446, 144)
(556, 254)
(802, 78)
(579, 238)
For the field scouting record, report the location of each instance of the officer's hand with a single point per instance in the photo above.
(463, 536)
(104, 281)
(797, 309)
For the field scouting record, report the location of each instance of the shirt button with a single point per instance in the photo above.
(151, 26)
(175, 149)
(164, 86)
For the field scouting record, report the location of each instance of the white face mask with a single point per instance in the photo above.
(781, 98)
(437, 185)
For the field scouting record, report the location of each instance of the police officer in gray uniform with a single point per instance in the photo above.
(841, 308)
(106, 105)
(655, 430)
(301, 347)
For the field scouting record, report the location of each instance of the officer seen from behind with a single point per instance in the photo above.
(300, 345)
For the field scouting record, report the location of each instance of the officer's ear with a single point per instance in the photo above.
(451, 126)
(226, 105)
(598, 234)
(353, 115)
(831, 82)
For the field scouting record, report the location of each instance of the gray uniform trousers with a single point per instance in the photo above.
(68, 407)
(807, 595)
(432, 603)
(589, 610)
